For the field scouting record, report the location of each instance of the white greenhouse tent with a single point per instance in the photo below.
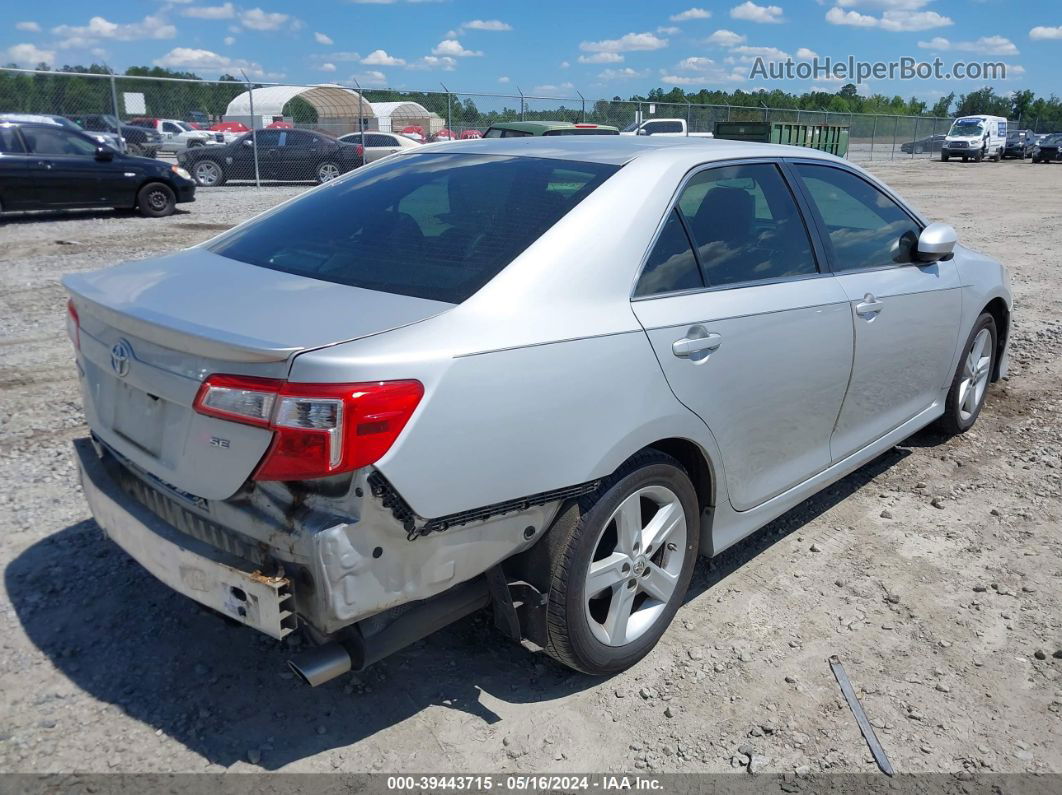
(394, 116)
(339, 110)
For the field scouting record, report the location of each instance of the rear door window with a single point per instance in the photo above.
(435, 226)
(9, 142)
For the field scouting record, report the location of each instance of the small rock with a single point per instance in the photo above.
(755, 731)
(943, 688)
(893, 598)
(1040, 654)
(1023, 755)
(839, 582)
(746, 749)
(620, 693)
(815, 548)
(695, 653)
(757, 763)
(668, 712)
(646, 693)
(937, 502)
(791, 680)
(1057, 654)
(886, 514)
(979, 588)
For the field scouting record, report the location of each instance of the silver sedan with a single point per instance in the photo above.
(542, 374)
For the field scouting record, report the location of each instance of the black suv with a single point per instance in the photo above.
(48, 167)
(1019, 144)
(141, 141)
(283, 154)
(1049, 150)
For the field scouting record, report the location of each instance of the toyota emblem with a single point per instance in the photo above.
(121, 353)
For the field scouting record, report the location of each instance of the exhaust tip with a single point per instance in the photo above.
(320, 665)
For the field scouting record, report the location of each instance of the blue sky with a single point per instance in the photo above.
(550, 48)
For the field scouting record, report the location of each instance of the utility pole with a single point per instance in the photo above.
(254, 129)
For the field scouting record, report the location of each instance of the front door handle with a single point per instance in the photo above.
(698, 344)
(869, 308)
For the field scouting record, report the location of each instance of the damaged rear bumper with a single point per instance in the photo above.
(187, 565)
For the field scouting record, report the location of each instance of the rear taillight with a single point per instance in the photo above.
(73, 324)
(319, 429)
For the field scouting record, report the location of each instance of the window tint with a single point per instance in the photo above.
(381, 140)
(671, 265)
(270, 138)
(495, 132)
(867, 229)
(56, 141)
(436, 226)
(170, 127)
(9, 141)
(746, 225)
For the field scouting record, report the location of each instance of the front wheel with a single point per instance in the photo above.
(619, 574)
(944, 157)
(208, 174)
(970, 385)
(156, 200)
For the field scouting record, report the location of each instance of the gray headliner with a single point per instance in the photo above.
(621, 149)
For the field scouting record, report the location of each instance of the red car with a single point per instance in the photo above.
(470, 134)
(230, 126)
(280, 125)
(414, 132)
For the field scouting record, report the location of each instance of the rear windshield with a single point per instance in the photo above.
(435, 226)
(582, 131)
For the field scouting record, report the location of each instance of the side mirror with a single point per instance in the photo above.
(104, 153)
(643, 131)
(937, 242)
(248, 142)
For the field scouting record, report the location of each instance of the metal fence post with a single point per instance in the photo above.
(895, 129)
(914, 138)
(114, 102)
(361, 112)
(582, 113)
(449, 112)
(254, 129)
(873, 136)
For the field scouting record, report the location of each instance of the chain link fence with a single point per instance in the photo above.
(315, 132)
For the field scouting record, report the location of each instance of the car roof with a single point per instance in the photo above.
(620, 149)
(535, 126)
(31, 118)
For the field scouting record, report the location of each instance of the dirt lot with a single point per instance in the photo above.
(935, 573)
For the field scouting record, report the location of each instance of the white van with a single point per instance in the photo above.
(976, 138)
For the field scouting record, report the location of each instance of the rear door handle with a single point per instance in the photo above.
(698, 344)
(869, 308)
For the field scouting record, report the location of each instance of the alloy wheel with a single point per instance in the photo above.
(207, 173)
(636, 565)
(975, 374)
(327, 172)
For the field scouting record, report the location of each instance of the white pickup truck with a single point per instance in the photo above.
(669, 127)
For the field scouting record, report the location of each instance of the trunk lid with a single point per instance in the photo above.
(152, 331)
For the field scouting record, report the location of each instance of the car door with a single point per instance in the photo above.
(905, 313)
(15, 175)
(378, 145)
(64, 168)
(268, 157)
(172, 136)
(752, 336)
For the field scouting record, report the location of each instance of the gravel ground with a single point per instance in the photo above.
(935, 573)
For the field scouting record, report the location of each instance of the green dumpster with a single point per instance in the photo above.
(832, 138)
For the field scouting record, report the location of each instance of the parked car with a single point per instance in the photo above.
(280, 125)
(283, 154)
(1019, 144)
(229, 130)
(45, 166)
(140, 140)
(521, 129)
(666, 127)
(1049, 150)
(112, 140)
(414, 133)
(444, 135)
(378, 144)
(931, 143)
(470, 135)
(542, 376)
(177, 135)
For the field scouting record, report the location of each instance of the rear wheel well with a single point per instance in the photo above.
(694, 462)
(997, 308)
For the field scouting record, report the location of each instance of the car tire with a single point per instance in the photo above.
(608, 631)
(327, 171)
(208, 173)
(156, 200)
(944, 158)
(969, 387)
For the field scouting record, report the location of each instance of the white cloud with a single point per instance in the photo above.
(749, 54)
(750, 12)
(371, 78)
(485, 24)
(224, 11)
(696, 63)
(339, 56)
(431, 62)
(622, 74)
(327, 67)
(150, 27)
(29, 55)
(191, 58)
(503, 79)
(257, 19)
(627, 43)
(381, 58)
(601, 57)
(230, 40)
(549, 88)
(690, 13)
(454, 49)
(987, 45)
(669, 30)
(564, 64)
(893, 20)
(707, 74)
(1044, 33)
(805, 54)
(321, 38)
(726, 38)
(29, 27)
